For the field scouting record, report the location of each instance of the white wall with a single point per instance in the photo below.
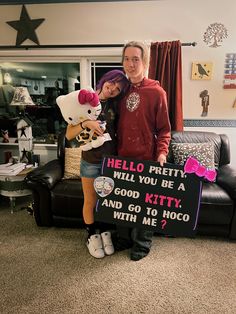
(117, 22)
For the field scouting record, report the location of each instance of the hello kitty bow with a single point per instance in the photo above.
(86, 96)
(192, 165)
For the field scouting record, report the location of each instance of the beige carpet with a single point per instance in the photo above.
(48, 270)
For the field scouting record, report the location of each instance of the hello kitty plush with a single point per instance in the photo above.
(79, 106)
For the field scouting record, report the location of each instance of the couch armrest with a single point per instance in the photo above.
(41, 205)
(226, 178)
(47, 175)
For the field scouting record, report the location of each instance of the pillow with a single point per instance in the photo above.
(203, 152)
(72, 163)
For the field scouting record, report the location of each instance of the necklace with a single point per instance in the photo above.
(138, 84)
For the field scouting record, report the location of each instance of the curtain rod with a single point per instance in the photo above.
(189, 44)
(75, 46)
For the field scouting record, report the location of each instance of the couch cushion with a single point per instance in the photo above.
(203, 152)
(67, 199)
(213, 200)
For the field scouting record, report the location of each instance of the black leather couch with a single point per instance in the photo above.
(59, 202)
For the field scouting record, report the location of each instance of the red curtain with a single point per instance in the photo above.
(166, 67)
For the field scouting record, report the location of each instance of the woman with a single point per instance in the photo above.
(111, 87)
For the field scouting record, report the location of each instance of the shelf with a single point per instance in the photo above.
(34, 144)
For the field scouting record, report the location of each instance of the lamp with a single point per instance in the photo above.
(21, 98)
(7, 78)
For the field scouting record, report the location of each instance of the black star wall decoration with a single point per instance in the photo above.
(25, 27)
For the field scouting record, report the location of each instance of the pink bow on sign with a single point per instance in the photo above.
(89, 97)
(192, 165)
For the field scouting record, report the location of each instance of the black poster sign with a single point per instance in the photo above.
(143, 194)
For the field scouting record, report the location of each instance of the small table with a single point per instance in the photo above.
(14, 186)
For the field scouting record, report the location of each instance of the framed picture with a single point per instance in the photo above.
(202, 70)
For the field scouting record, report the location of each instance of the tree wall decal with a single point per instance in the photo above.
(216, 32)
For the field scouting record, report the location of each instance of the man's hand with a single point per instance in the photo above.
(161, 159)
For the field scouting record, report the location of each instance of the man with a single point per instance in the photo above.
(143, 131)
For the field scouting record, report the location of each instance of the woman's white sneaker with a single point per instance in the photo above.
(107, 243)
(95, 246)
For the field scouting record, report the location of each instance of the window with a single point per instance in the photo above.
(44, 81)
(100, 68)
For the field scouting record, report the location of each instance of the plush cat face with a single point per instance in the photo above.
(99, 184)
(78, 106)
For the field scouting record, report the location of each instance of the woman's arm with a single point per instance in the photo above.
(73, 130)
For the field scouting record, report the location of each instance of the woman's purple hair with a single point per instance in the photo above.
(115, 76)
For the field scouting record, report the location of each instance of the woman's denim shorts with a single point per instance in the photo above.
(89, 170)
